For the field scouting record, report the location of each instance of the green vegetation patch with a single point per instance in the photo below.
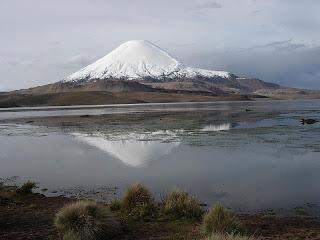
(300, 211)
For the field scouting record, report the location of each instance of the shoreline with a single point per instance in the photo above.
(98, 98)
(127, 105)
(83, 112)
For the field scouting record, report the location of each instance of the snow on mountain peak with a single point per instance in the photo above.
(136, 59)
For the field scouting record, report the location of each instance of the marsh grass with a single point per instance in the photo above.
(86, 220)
(180, 205)
(220, 236)
(9, 188)
(221, 220)
(136, 195)
(26, 188)
(146, 212)
(115, 205)
(136, 204)
(269, 212)
(300, 211)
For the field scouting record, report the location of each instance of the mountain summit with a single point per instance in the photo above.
(138, 59)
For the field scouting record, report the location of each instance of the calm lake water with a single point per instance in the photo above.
(250, 160)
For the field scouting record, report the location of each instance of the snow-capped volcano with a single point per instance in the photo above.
(140, 72)
(138, 59)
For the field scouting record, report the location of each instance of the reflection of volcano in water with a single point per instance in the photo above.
(216, 127)
(135, 152)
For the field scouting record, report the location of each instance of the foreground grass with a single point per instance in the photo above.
(219, 220)
(32, 215)
(221, 236)
(16, 190)
(26, 188)
(86, 220)
(89, 220)
(179, 205)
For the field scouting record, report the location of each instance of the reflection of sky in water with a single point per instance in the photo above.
(265, 162)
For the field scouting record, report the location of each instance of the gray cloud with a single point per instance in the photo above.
(78, 61)
(16, 61)
(285, 45)
(205, 6)
(5, 62)
(300, 68)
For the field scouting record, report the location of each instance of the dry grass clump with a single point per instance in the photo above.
(145, 212)
(10, 189)
(136, 195)
(220, 220)
(115, 205)
(86, 220)
(26, 188)
(138, 203)
(221, 236)
(179, 204)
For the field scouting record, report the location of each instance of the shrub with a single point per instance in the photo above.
(179, 205)
(26, 188)
(220, 236)
(220, 220)
(136, 195)
(85, 220)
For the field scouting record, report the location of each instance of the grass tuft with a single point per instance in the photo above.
(115, 205)
(300, 211)
(26, 188)
(220, 236)
(221, 220)
(86, 220)
(136, 195)
(179, 205)
(145, 212)
(138, 203)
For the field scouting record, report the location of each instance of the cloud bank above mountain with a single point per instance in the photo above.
(277, 40)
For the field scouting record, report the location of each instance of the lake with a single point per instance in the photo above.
(250, 156)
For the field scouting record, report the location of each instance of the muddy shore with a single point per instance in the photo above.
(32, 218)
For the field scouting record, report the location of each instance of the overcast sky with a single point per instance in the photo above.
(43, 41)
